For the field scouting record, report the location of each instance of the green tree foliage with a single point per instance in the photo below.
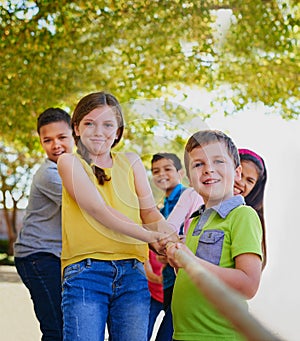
(53, 52)
(260, 57)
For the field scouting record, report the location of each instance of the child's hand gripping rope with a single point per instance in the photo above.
(226, 300)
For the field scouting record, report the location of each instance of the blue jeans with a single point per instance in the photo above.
(41, 274)
(155, 308)
(96, 292)
(165, 331)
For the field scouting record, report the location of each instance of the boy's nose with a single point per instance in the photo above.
(56, 144)
(160, 172)
(208, 168)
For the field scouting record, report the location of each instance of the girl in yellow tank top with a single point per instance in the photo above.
(107, 201)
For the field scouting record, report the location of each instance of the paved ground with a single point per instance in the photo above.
(17, 319)
(8, 274)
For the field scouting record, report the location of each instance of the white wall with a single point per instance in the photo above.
(278, 299)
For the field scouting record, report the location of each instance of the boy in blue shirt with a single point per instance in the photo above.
(167, 174)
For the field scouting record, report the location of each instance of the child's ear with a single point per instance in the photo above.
(181, 173)
(238, 173)
(76, 129)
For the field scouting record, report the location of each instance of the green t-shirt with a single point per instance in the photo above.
(218, 236)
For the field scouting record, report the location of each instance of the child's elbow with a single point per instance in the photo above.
(250, 290)
(251, 293)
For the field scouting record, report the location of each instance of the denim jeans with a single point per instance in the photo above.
(165, 331)
(41, 274)
(99, 292)
(155, 308)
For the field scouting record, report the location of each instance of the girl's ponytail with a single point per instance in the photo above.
(99, 172)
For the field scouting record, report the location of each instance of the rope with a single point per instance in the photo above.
(226, 300)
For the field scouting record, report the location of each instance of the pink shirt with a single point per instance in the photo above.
(188, 202)
(156, 289)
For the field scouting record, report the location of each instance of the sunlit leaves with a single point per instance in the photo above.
(57, 51)
(260, 58)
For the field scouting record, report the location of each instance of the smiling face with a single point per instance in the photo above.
(56, 138)
(165, 175)
(98, 131)
(248, 179)
(212, 173)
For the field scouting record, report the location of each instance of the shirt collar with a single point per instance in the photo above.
(177, 190)
(224, 208)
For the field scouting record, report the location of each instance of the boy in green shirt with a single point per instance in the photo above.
(224, 236)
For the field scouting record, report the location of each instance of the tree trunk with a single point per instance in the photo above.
(11, 230)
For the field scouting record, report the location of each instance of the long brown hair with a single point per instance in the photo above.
(84, 107)
(255, 198)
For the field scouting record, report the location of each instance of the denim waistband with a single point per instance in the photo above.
(133, 261)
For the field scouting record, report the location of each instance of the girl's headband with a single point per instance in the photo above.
(250, 152)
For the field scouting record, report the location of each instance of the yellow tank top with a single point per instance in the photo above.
(83, 237)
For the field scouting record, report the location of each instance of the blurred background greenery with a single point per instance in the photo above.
(149, 54)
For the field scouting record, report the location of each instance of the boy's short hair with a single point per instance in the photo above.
(168, 156)
(204, 137)
(51, 115)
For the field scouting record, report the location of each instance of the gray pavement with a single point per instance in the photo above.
(17, 318)
(8, 274)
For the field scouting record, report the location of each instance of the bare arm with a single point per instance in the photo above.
(244, 278)
(189, 201)
(83, 191)
(151, 276)
(151, 217)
